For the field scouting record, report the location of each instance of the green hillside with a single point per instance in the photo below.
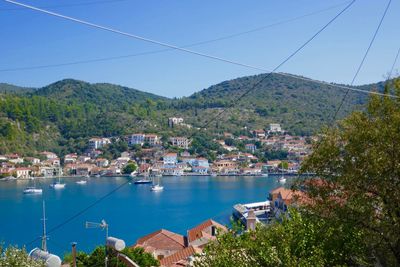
(63, 115)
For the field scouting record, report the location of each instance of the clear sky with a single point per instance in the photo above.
(29, 38)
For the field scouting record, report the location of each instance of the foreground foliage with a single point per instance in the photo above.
(16, 257)
(298, 241)
(96, 258)
(360, 164)
(351, 212)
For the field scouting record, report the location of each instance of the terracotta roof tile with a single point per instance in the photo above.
(162, 239)
(196, 232)
(179, 256)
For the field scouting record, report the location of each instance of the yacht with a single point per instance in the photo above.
(143, 181)
(57, 185)
(32, 190)
(282, 180)
(157, 187)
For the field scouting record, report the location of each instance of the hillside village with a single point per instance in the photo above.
(259, 152)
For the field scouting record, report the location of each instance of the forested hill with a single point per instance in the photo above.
(63, 115)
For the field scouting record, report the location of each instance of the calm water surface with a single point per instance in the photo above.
(131, 212)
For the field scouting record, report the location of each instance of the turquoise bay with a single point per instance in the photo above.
(131, 212)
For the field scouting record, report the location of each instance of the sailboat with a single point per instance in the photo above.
(157, 187)
(31, 190)
(282, 179)
(58, 184)
(82, 182)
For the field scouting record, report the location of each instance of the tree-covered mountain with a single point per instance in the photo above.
(63, 115)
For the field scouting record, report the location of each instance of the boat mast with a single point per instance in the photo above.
(44, 237)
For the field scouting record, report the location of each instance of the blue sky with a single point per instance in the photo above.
(29, 38)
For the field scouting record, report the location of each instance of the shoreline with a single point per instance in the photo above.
(141, 177)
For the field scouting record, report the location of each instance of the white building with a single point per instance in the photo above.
(136, 139)
(152, 139)
(23, 173)
(174, 121)
(181, 142)
(275, 128)
(170, 159)
(96, 143)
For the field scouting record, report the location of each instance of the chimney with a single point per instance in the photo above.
(251, 221)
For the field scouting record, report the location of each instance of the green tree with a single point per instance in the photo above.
(297, 241)
(129, 168)
(359, 162)
(15, 257)
(97, 258)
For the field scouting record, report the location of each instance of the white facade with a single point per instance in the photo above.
(275, 128)
(174, 121)
(136, 139)
(96, 143)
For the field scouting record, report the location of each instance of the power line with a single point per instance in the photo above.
(79, 213)
(69, 5)
(174, 47)
(233, 35)
(363, 59)
(235, 101)
(394, 64)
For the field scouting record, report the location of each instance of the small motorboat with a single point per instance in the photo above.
(282, 180)
(32, 190)
(82, 182)
(157, 187)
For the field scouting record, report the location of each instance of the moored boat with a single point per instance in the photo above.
(57, 185)
(33, 190)
(143, 181)
(157, 187)
(81, 182)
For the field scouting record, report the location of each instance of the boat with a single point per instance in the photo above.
(213, 174)
(32, 190)
(143, 181)
(81, 182)
(133, 174)
(97, 176)
(264, 174)
(282, 180)
(157, 187)
(57, 185)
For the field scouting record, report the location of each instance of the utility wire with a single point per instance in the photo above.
(394, 64)
(237, 100)
(174, 47)
(234, 102)
(233, 35)
(69, 5)
(79, 213)
(363, 59)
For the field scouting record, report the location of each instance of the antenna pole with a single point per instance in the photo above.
(44, 237)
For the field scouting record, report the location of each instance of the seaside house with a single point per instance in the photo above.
(70, 158)
(200, 170)
(203, 233)
(23, 173)
(181, 142)
(15, 158)
(101, 162)
(96, 143)
(48, 155)
(170, 159)
(275, 128)
(162, 243)
(136, 139)
(32, 160)
(250, 147)
(152, 139)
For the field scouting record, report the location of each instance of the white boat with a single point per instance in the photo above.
(97, 175)
(157, 187)
(32, 190)
(282, 180)
(264, 174)
(57, 185)
(81, 182)
(213, 174)
(133, 174)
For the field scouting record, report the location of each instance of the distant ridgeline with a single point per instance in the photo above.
(63, 115)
